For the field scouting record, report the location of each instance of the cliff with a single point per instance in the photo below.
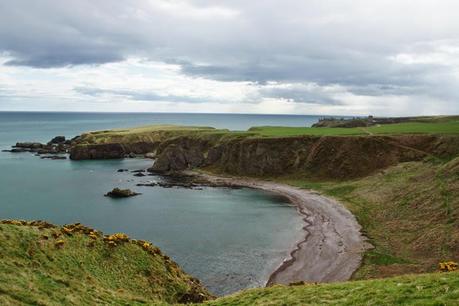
(328, 157)
(323, 157)
(110, 150)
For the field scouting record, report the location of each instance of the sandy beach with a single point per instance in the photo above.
(332, 247)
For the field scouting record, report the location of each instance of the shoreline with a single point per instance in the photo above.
(333, 245)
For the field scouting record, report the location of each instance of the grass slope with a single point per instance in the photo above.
(428, 289)
(46, 265)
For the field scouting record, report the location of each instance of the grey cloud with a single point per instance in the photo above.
(300, 94)
(325, 42)
(51, 61)
(45, 34)
(139, 95)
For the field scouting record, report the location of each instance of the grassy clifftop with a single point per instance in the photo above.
(41, 264)
(448, 125)
(150, 133)
(435, 125)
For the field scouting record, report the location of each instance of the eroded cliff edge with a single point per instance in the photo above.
(331, 157)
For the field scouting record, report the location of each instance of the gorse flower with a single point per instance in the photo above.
(448, 266)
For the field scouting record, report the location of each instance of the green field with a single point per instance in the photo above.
(450, 127)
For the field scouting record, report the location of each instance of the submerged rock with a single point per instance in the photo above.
(121, 193)
(147, 184)
(17, 150)
(122, 170)
(29, 145)
(131, 155)
(53, 157)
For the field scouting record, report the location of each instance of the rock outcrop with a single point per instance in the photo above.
(57, 145)
(57, 140)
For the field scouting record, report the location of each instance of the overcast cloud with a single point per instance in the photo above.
(355, 57)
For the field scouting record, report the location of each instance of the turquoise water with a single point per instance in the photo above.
(230, 239)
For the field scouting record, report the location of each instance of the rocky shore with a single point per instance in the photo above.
(332, 246)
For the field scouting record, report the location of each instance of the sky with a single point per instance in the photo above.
(334, 57)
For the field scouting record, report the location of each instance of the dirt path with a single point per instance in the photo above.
(333, 245)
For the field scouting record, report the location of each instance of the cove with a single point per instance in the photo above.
(228, 238)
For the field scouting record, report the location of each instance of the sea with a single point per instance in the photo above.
(230, 239)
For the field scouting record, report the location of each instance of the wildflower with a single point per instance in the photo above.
(67, 230)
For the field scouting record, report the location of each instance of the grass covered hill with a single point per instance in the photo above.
(42, 264)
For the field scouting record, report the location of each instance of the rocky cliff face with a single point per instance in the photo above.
(320, 157)
(110, 150)
(331, 157)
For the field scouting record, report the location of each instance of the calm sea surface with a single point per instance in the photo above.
(230, 239)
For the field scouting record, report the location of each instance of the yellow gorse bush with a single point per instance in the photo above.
(114, 239)
(448, 266)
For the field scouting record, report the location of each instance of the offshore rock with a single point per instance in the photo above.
(121, 193)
